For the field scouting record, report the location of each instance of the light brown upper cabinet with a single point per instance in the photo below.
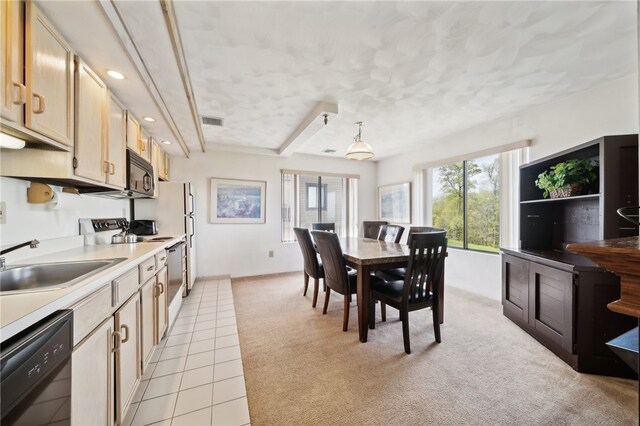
(91, 130)
(13, 92)
(117, 141)
(160, 162)
(138, 138)
(133, 133)
(145, 145)
(49, 79)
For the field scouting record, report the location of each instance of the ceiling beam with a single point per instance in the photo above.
(178, 51)
(311, 124)
(131, 48)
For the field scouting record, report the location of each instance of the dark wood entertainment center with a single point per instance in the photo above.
(558, 297)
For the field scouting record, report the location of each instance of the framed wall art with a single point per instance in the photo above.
(237, 201)
(394, 203)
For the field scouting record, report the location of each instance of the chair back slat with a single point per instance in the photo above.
(371, 229)
(424, 271)
(311, 265)
(324, 226)
(335, 267)
(390, 233)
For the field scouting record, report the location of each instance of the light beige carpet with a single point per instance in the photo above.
(302, 369)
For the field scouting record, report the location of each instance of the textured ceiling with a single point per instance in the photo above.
(412, 71)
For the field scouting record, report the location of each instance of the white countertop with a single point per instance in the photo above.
(20, 310)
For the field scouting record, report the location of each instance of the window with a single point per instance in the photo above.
(312, 196)
(302, 205)
(466, 202)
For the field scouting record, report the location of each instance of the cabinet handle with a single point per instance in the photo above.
(41, 106)
(106, 166)
(150, 268)
(22, 93)
(162, 259)
(126, 329)
(112, 169)
(142, 147)
(116, 341)
(161, 288)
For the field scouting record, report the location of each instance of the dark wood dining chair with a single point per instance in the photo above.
(371, 229)
(324, 226)
(312, 267)
(336, 277)
(420, 287)
(398, 273)
(390, 233)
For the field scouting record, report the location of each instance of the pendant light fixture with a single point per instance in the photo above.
(359, 150)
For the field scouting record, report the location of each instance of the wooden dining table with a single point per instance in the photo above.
(367, 255)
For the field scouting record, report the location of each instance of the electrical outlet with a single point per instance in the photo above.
(3, 212)
(270, 253)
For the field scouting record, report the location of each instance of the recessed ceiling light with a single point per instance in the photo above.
(149, 119)
(166, 142)
(115, 74)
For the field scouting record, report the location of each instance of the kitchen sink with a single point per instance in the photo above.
(50, 276)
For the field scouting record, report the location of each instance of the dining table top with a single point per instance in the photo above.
(367, 251)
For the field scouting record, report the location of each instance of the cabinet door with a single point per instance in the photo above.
(148, 324)
(158, 160)
(117, 143)
(551, 305)
(90, 143)
(133, 133)
(166, 166)
(145, 145)
(49, 78)
(13, 92)
(162, 309)
(92, 378)
(515, 289)
(127, 323)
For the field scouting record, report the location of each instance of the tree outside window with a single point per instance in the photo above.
(466, 202)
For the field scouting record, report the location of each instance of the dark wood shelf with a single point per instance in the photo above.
(558, 297)
(556, 200)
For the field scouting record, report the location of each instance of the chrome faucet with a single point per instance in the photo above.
(32, 244)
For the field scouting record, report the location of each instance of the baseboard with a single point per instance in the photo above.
(214, 277)
(265, 276)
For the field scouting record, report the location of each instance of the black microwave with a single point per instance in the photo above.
(140, 179)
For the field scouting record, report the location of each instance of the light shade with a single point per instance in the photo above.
(359, 150)
(10, 142)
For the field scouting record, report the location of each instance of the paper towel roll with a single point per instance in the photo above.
(61, 200)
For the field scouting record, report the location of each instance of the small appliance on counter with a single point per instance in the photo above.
(143, 227)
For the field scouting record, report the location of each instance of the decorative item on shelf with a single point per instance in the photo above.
(359, 150)
(632, 214)
(568, 178)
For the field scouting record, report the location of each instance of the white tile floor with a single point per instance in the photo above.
(195, 376)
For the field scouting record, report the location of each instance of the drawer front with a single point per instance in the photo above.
(90, 312)
(125, 286)
(147, 269)
(161, 260)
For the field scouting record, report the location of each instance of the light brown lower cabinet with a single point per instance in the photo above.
(92, 378)
(127, 323)
(161, 306)
(147, 302)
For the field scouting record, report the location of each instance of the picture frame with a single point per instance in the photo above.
(394, 203)
(237, 201)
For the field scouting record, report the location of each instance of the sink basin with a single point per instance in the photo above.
(50, 276)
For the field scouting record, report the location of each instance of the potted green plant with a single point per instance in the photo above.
(567, 179)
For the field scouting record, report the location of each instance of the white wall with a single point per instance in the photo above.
(608, 109)
(26, 221)
(242, 250)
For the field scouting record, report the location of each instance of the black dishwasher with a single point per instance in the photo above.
(35, 367)
(175, 255)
